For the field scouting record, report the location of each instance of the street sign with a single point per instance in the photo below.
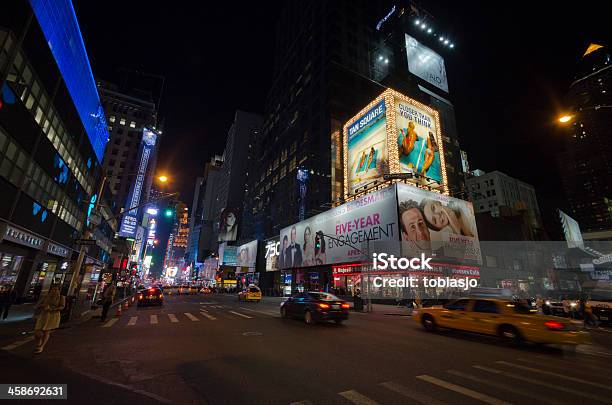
(86, 242)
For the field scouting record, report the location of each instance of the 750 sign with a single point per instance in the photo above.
(272, 249)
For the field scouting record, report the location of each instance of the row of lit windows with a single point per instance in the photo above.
(24, 81)
(39, 185)
(122, 121)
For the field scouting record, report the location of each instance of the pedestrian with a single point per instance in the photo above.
(7, 298)
(107, 299)
(48, 317)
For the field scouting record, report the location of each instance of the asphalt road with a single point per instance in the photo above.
(214, 350)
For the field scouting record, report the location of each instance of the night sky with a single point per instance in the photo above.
(512, 63)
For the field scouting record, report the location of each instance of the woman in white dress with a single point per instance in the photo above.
(49, 314)
(308, 257)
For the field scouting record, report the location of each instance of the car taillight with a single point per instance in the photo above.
(324, 306)
(140, 297)
(346, 306)
(554, 325)
(161, 295)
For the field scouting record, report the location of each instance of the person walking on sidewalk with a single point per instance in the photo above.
(49, 314)
(107, 299)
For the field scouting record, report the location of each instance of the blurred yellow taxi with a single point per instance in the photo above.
(253, 293)
(512, 321)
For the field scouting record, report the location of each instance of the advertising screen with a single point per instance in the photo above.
(247, 254)
(571, 231)
(434, 221)
(272, 253)
(425, 63)
(227, 254)
(340, 234)
(130, 218)
(395, 136)
(417, 142)
(367, 147)
(228, 225)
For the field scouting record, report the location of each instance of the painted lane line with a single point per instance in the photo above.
(18, 343)
(209, 316)
(357, 398)
(582, 367)
(565, 377)
(132, 321)
(173, 318)
(505, 387)
(462, 390)
(239, 314)
(110, 323)
(154, 319)
(544, 384)
(260, 312)
(409, 393)
(188, 315)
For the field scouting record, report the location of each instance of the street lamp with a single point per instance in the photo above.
(163, 178)
(565, 118)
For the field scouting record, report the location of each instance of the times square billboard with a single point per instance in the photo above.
(394, 134)
(129, 221)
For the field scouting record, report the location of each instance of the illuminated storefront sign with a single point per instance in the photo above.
(129, 221)
(393, 135)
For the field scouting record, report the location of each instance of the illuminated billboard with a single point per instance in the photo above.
(337, 235)
(425, 63)
(393, 135)
(272, 255)
(228, 225)
(130, 218)
(571, 231)
(227, 254)
(434, 221)
(247, 254)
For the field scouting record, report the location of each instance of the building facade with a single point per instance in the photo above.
(585, 165)
(52, 137)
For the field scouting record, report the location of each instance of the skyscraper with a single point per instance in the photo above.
(585, 165)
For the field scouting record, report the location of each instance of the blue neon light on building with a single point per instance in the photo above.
(59, 24)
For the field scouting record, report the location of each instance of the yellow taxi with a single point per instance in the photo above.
(512, 321)
(253, 293)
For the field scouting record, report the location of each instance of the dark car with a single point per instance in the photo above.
(315, 307)
(150, 296)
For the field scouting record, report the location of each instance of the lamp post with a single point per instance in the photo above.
(569, 117)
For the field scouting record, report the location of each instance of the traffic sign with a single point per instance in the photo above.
(86, 242)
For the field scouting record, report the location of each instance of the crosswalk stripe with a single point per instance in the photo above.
(173, 318)
(407, 392)
(18, 343)
(239, 314)
(544, 384)
(564, 367)
(462, 390)
(110, 323)
(506, 387)
(209, 316)
(154, 319)
(357, 398)
(132, 321)
(565, 377)
(188, 315)
(260, 312)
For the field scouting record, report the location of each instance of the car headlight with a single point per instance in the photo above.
(573, 304)
(547, 302)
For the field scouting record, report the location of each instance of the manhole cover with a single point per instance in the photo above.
(252, 334)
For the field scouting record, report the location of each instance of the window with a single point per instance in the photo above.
(122, 121)
(132, 124)
(486, 306)
(491, 261)
(458, 305)
(112, 118)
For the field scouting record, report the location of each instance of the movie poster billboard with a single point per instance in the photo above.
(340, 234)
(417, 141)
(247, 254)
(430, 221)
(228, 225)
(272, 253)
(571, 231)
(367, 147)
(393, 135)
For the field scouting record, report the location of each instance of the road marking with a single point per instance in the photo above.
(304, 402)
(209, 316)
(239, 314)
(409, 393)
(110, 323)
(132, 321)
(260, 312)
(357, 398)
(172, 318)
(462, 390)
(565, 377)
(575, 365)
(188, 315)
(18, 343)
(587, 349)
(506, 387)
(154, 319)
(543, 384)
